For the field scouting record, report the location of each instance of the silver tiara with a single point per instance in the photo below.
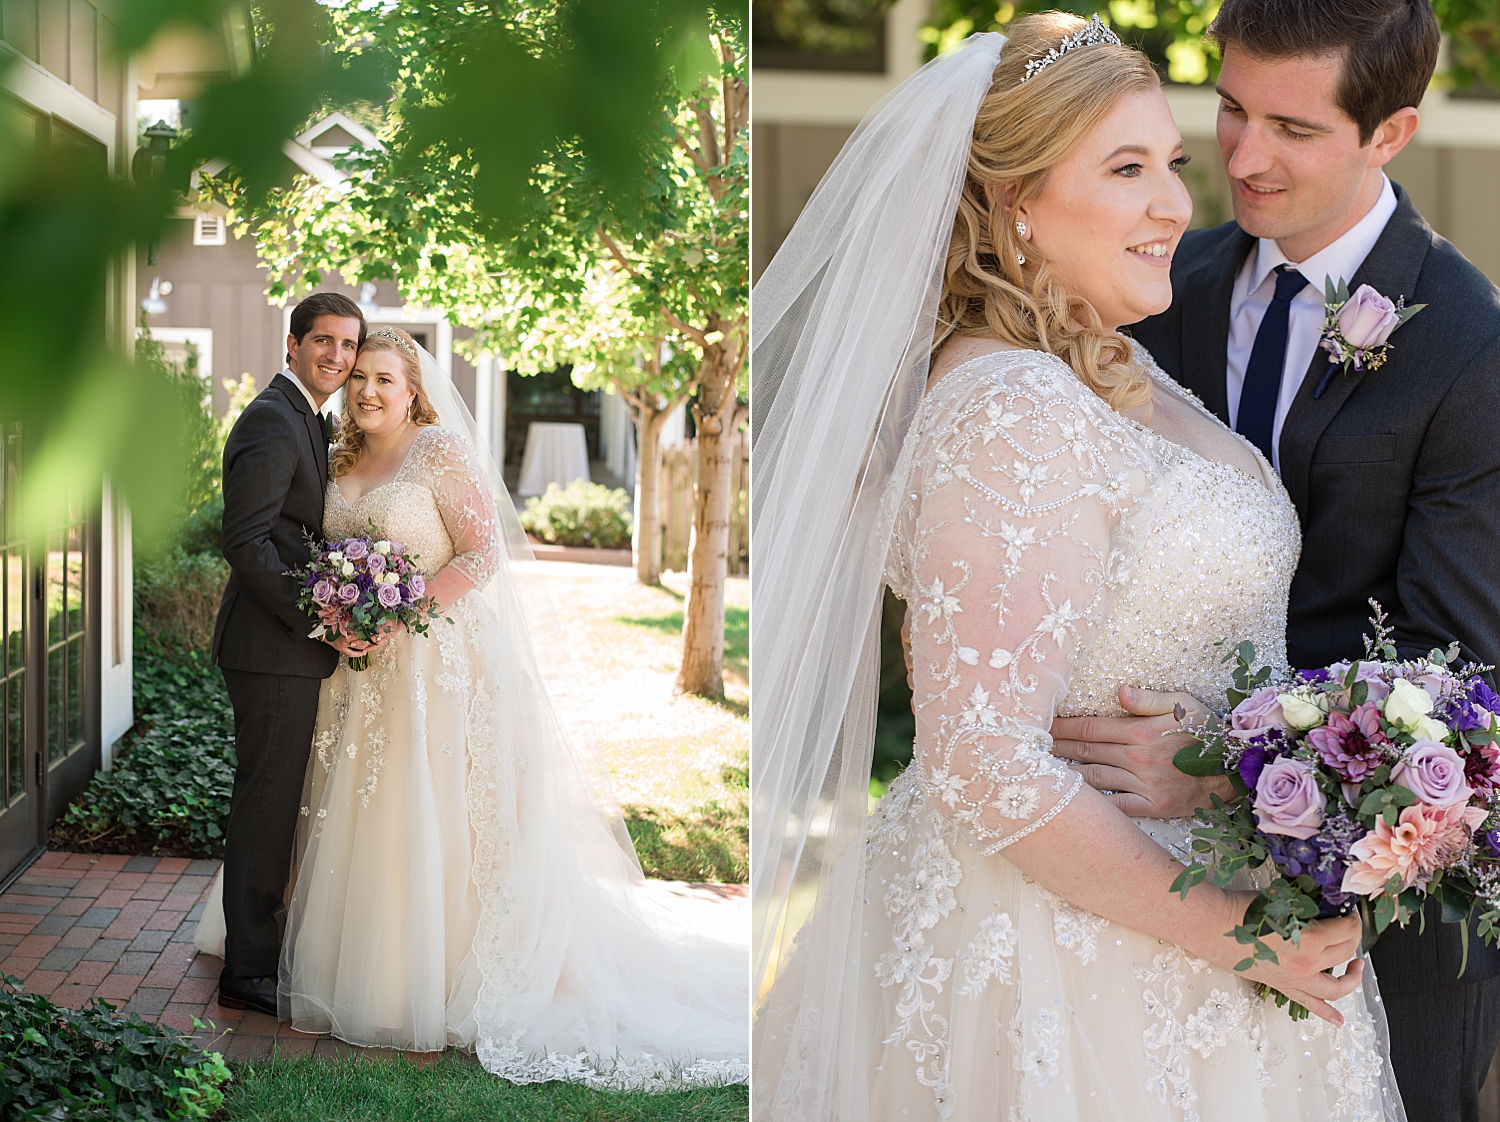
(1094, 32)
(396, 337)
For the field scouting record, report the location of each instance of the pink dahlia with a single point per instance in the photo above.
(1350, 745)
(1423, 841)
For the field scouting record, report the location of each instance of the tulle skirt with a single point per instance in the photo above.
(459, 884)
(981, 996)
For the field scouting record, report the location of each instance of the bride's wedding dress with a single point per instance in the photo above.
(1049, 550)
(456, 881)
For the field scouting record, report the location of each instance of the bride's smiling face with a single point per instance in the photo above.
(1111, 213)
(380, 397)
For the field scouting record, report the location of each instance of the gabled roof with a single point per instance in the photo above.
(336, 132)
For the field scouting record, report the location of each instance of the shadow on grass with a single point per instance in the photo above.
(736, 644)
(455, 1089)
(709, 842)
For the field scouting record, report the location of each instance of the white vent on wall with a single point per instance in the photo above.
(208, 229)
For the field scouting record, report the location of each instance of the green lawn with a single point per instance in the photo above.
(452, 1090)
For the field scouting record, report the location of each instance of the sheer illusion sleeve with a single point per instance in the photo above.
(462, 490)
(1020, 476)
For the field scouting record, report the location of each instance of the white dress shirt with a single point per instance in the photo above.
(296, 381)
(1255, 285)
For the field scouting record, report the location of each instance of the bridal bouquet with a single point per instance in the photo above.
(1368, 784)
(356, 585)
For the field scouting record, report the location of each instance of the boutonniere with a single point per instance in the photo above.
(1355, 328)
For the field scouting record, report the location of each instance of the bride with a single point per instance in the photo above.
(952, 411)
(461, 876)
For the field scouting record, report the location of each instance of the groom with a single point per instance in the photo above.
(1395, 472)
(275, 473)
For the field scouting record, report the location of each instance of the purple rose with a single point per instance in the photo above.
(356, 548)
(417, 585)
(389, 596)
(1435, 774)
(1287, 799)
(376, 564)
(1258, 712)
(348, 593)
(397, 549)
(1367, 318)
(323, 592)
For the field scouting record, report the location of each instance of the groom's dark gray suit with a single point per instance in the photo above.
(275, 472)
(1395, 474)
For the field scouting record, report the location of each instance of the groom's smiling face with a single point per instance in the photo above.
(325, 355)
(1298, 173)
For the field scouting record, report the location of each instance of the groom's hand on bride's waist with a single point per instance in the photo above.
(1132, 756)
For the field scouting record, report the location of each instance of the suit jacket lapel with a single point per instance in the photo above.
(310, 421)
(1205, 320)
(1391, 269)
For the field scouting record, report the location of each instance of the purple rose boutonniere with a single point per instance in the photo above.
(1356, 328)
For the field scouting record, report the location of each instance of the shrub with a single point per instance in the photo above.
(94, 1063)
(170, 786)
(177, 593)
(581, 514)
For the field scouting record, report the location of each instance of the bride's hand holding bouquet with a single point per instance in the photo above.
(363, 589)
(1367, 786)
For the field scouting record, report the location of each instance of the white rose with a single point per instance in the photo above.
(392, 578)
(1407, 704)
(336, 557)
(1428, 729)
(1303, 713)
(383, 548)
(348, 569)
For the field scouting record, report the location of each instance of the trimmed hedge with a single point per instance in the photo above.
(580, 514)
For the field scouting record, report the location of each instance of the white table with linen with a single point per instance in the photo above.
(555, 453)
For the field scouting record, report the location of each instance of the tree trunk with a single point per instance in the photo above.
(647, 537)
(702, 670)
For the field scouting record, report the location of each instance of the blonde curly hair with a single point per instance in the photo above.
(1020, 133)
(351, 439)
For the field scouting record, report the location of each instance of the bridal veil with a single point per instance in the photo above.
(843, 322)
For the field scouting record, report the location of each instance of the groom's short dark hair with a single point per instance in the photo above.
(325, 304)
(1389, 47)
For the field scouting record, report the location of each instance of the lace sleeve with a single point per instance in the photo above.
(1019, 479)
(464, 500)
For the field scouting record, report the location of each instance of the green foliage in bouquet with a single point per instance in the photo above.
(95, 1063)
(580, 514)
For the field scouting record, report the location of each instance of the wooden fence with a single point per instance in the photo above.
(679, 469)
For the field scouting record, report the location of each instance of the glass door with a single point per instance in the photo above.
(20, 826)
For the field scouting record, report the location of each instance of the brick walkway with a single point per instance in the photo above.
(74, 927)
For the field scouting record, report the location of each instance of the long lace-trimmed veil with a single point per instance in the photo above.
(518, 592)
(842, 324)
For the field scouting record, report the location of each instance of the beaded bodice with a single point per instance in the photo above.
(438, 506)
(1051, 550)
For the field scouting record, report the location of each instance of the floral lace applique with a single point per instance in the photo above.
(1040, 1061)
(919, 899)
(1166, 1042)
(1020, 474)
(1074, 928)
(988, 954)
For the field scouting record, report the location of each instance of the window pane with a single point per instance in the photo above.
(56, 725)
(15, 610)
(15, 735)
(55, 587)
(75, 580)
(75, 692)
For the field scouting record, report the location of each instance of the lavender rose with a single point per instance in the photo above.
(1287, 799)
(1258, 712)
(355, 548)
(1367, 318)
(376, 564)
(389, 595)
(417, 585)
(1435, 774)
(323, 592)
(348, 593)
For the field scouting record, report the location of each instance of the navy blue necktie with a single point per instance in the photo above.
(1257, 414)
